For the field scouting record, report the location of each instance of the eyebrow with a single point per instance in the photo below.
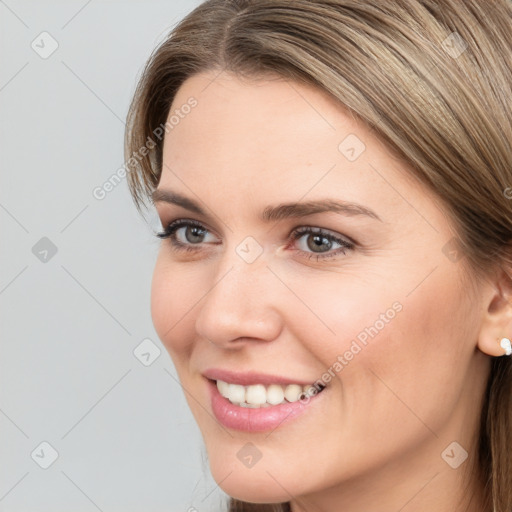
(278, 212)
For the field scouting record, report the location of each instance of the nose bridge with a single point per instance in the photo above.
(240, 302)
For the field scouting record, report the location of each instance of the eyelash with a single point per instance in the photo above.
(170, 232)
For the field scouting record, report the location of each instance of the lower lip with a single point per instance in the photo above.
(259, 419)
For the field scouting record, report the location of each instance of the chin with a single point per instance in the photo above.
(252, 486)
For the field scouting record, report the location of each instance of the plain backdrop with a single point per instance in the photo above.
(91, 414)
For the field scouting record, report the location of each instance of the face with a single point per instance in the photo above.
(368, 300)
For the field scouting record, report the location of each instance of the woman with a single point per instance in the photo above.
(334, 182)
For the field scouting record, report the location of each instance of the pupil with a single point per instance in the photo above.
(196, 232)
(318, 241)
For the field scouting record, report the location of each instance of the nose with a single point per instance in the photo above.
(240, 305)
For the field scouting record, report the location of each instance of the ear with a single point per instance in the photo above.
(497, 317)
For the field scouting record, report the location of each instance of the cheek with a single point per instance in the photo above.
(412, 341)
(339, 314)
(412, 361)
(172, 305)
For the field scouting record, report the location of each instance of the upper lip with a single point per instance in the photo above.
(250, 378)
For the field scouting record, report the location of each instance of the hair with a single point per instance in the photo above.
(431, 78)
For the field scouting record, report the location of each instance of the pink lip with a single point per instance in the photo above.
(250, 378)
(256, 420)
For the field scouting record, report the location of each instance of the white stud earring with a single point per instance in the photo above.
(506, 345)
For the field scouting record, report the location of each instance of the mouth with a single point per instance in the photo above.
(260, 408)
(260, 396)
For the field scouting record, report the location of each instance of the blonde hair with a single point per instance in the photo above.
(432, 78)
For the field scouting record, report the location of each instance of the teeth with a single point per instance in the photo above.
(255, 395)
(222, 387)
(236, 393)
(258, 395)
(275, 394)
(292, 392)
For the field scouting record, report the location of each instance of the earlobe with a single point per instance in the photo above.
(496, 330)
(496, 346)
(506, 346)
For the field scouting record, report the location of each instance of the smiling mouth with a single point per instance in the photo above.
(259, 395)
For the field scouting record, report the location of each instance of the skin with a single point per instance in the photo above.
(376, 439)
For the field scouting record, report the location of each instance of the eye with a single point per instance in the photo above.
(193, 234)
(317, 239)
(319, 242)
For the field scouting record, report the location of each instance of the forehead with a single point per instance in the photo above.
(255, 111)
(272, 138)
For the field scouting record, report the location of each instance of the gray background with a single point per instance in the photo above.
(70, 321)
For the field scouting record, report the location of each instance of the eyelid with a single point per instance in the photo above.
(345, 242)
(183, 222)
(202, 224)
(302, 229)
(315, 228)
